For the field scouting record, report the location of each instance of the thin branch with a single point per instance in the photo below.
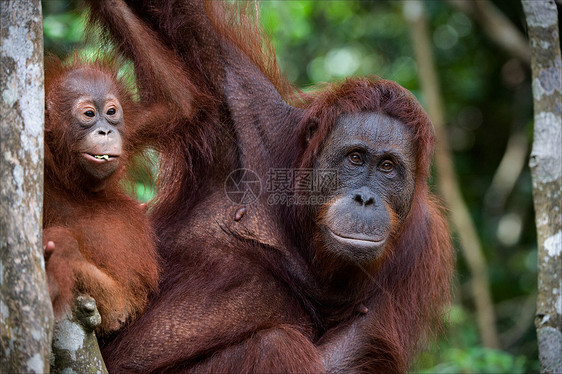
(447, 181)
(508, 172)
(522, 313)
(502, 32)
(497, 26)
(513, 160)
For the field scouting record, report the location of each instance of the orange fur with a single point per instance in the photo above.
(103, 241)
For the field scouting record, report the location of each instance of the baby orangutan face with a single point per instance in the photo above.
(97, 121)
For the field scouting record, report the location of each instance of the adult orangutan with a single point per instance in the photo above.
(354, 283)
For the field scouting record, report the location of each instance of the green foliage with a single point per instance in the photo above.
(143, 192)
(344, 46)
(478, 360)
(66, 27)
(460, 352)
(63, 28)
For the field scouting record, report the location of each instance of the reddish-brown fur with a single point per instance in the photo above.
(103, 241)
(256, 294)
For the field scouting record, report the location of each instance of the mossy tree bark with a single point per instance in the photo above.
(546, 169)
(26, 317)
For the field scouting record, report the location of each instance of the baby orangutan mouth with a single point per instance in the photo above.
(101, 157)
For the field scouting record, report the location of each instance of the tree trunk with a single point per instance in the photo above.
(447, 180)
(26, 317)
(546, 169)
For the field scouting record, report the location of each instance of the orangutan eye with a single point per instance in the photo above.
(386, 166)
(111, 112)
(89, 113)
(355, 158)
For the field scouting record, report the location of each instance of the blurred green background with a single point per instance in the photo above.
(488, 103)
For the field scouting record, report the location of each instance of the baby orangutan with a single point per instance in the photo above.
(97, 240)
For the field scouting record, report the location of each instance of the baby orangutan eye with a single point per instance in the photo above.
(89, 113)
(111, 112)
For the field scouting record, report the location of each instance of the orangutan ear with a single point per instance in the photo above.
(311, 128)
